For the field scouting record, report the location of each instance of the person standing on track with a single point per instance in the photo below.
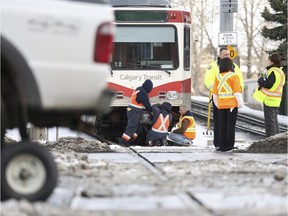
(160, 122)
(270, 92)
(139, 102)
(210, 75)
(227, 98)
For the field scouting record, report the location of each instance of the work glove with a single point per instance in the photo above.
(260, 82)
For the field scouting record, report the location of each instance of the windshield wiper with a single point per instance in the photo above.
(151, 66)
(156, 67)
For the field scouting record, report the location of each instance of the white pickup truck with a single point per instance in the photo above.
(54, 63)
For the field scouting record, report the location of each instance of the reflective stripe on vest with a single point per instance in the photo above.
(278, 91)
(272, 97)
(162, 124)
(223, 84)
(270, 93)
(190, 132)
(133, 102)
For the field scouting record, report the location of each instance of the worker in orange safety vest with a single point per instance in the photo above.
(210, 76)
(139, 102)
(160, 122)
(227, 98)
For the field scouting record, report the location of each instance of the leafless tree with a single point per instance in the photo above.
(254, 44)
(248, 25)
(201, 37)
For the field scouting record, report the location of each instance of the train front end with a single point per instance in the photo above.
(150, 43)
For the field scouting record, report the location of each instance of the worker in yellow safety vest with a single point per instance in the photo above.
(212, 71)
(269, 93)
(227, 98)
(186, 127)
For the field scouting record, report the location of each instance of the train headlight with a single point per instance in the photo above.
(172, 95)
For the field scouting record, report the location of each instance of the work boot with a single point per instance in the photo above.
(124, 143)
(157, 143)
(150, 143)
(217, 148)
(165, 142)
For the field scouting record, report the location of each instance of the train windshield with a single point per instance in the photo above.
(145, 48)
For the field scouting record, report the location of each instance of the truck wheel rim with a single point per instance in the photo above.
(25, 174)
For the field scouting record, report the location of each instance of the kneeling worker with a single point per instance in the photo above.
(161, 121)
(186, 127)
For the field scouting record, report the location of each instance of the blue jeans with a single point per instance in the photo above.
(152, 135)
(179, 139)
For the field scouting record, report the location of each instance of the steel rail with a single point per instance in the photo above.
(200, 109)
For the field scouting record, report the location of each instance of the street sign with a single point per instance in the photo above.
(233, 52)
(227, 38)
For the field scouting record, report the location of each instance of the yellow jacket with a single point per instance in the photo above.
(213, 69)
(271, 97)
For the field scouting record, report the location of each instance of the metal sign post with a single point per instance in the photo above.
(228, 6)
(227, 37)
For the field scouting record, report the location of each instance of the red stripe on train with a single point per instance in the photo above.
(179, 86)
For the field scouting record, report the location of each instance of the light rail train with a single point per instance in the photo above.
(152, 41)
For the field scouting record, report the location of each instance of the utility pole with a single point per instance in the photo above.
(226, 35)
(226, 22)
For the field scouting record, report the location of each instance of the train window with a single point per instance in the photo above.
(140, 16)
(145, 47)
(186, 48)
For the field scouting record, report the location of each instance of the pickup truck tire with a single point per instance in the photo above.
(4, 120)
(28, 171)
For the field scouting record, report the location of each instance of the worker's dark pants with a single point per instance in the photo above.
(216, 140)
(271, 121)
(227, 123)
(134, 116)
(153, 135)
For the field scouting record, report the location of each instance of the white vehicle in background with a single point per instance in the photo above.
(54, 66)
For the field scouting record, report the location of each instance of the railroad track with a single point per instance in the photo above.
(247, 123)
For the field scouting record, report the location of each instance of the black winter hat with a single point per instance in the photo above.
(167, 106)
(148, 85)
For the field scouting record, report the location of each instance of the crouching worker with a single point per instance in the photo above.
(186, 127)
(139, 102)
(160, 122)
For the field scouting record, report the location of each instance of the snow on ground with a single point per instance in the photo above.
(62, 132)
